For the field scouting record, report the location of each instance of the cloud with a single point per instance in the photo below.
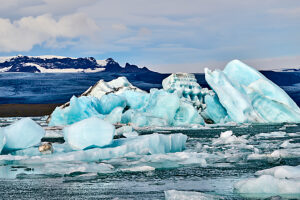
(23, 34)
(155, 32)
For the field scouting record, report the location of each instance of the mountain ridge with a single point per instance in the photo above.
(60, 64)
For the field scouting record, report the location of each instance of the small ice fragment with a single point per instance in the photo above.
(189, 195)
(139, 169)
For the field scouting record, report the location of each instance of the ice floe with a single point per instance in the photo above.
(189, 195)
(275, 181)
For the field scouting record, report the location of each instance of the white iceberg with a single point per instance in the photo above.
(281, 180)
(91, 132)
(183, 84)
(116, 86)
(22, 134)
(189, 195)
(227, 137)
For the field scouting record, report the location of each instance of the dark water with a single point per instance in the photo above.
(226, 163)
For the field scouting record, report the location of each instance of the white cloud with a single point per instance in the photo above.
(23, 34)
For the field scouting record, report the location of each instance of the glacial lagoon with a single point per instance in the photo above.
(208, 165)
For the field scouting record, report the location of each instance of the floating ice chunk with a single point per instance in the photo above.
(248, 96)
(284, 172)
(91, 132)
(78, 109)
(171, 160)
(227, 137)
(22, 134)
(130, 134)
(2, 140)
(237, 104)
(277, 134)
(186, 115)
(287, 144)
(73, 167)
(139, 169)
(116, 86)
(241, 74)
(267, 185)
(124, 129)
(189, 195)
(141, 145)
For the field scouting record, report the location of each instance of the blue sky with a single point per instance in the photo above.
(164, 35)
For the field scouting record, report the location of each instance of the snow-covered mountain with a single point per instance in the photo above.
(60, 64)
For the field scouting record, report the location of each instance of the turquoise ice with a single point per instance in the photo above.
(22, 134)
(248, 96)
(91, 132)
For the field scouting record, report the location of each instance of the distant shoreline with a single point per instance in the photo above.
(26, 110)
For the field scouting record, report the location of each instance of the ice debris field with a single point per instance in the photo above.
(239, 139)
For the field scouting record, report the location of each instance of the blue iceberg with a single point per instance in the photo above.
(91, 132)
(248, 96)
(22, 134)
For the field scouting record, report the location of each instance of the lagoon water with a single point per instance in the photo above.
(209, 164)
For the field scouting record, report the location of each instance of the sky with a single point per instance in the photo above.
(163, 35)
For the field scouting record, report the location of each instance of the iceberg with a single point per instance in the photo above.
(183, 84)
(189, 195)
(248, 96)
(91, 132)
(78, 109)
(237, 105)
(240, 94)
(116, 86)
(141, 145)
(275, 181)
(22, 134)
